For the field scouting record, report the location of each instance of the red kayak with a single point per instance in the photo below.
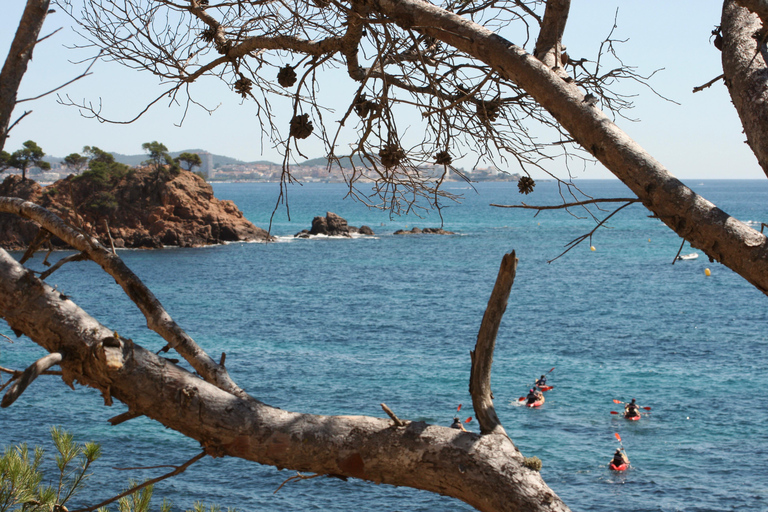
(546, 388)
(537, 403)
(632, 418)
(620, 467)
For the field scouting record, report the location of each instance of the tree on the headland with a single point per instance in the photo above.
(476, 91)
(159, 159)
(190, 160)
(102, 166)
(76, 162)
(31, 155)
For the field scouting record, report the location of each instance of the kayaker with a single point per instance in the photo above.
(457, 424)
(534, 395)
(542, 381)
(619, 458)
(631, 409)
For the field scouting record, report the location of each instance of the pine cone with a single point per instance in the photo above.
(223, 48)
(301, 126)
(391, 155)
(525, 185)
(443, 158)
(208, 35)
(286, 76)
(488, 110)
(364, 106)
(243, 86)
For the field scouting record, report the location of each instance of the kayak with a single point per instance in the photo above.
(537, 403)
(620, 467)
(632, 418)
(545, 388)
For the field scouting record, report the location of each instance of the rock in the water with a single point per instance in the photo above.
(140, 208)
(332, 225)
(429, 231)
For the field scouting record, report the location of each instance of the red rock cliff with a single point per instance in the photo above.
(140, 208)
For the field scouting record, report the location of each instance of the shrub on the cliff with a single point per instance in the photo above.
(103, 203)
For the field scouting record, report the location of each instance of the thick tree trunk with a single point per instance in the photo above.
(485, 471)
(746, 73)
(706, 227)
(18, 57)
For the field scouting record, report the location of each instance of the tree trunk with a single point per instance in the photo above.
(720, 236)
(485, 471)
(746, 74)
(18, 57)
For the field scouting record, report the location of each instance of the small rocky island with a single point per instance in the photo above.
(138, 208)
(425, 231)
(332, 225)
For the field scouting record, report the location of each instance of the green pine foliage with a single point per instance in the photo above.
(22, 488)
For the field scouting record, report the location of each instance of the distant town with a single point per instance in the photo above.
(219, 168)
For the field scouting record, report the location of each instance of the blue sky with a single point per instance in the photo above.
(698, 139)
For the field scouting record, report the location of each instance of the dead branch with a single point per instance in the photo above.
(708, 84)
(41, 237)
(297, 476)
(177, 471)
(398, 421)
(678, 252)
(482, 356)
(573, 243)
(569, 205)
(85, 73)
(29, 375)
(74, 257)
(121, 418)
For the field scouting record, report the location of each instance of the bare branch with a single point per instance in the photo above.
(398, 421)
(74, 257)
(177, 471)
(569, 205)
(482, 356)
(708, 84)
(573, 243)
(29, 375)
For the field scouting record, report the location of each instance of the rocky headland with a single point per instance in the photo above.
(140, 208)
(332, 225)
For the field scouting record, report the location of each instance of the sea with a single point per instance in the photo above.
(340, 325)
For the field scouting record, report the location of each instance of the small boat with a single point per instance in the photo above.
(545, 388)
(537, 403)
(632, 418)
(691, 256)
(620, 467)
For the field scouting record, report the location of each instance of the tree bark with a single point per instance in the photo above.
(482, 356)
(708, 228)
(746, 73)
(485, 471)
(18, 57)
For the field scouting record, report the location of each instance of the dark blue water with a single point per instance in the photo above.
(337, 326)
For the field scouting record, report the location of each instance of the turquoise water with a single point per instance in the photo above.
(337, 326)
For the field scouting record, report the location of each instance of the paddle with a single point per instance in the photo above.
(620, 402)
(466, 420)
(622, 446)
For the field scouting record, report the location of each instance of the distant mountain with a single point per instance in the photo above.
(324, 161)
(134, 160)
